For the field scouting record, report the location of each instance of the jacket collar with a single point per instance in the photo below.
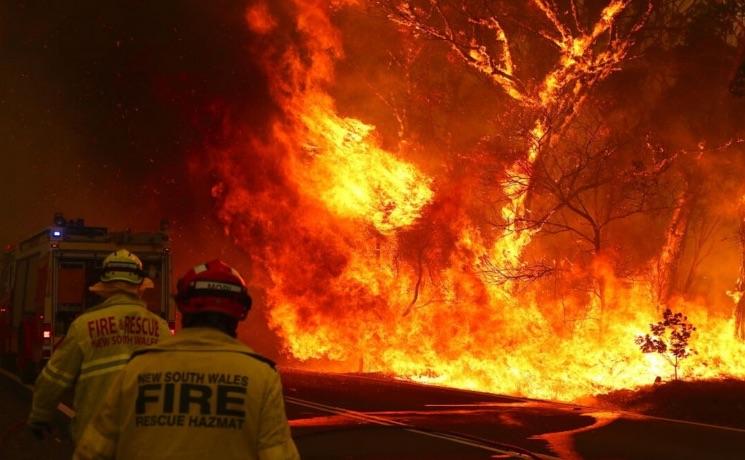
(204, 338)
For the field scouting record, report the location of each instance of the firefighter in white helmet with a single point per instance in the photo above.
(201, 394)
(97, 345)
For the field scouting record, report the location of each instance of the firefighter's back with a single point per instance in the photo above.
(107, 335)
(200, 395)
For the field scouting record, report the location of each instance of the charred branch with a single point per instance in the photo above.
(499, 275)
(475, 32)
(584, 187)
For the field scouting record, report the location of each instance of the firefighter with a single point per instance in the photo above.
(201, 394)
(98, 345)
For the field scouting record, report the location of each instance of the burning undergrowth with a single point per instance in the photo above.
(460, 196)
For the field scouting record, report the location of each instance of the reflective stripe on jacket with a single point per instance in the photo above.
(97, 346)
(200, 394)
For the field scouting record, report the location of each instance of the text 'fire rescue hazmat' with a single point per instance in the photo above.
(98, 345)
(200, 394)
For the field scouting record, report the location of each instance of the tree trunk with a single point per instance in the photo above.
(601, 282)
(740, 309)
(740, 319)
(601, 286)
(669, 259)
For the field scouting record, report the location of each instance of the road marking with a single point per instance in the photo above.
(62, 407)
(390, 422)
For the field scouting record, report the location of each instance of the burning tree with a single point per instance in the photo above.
(669, 338)
(585, 184)
(688, 223)
(367, 207)
(589, 181)
(739, 297)
(585, 52)
(588, 51)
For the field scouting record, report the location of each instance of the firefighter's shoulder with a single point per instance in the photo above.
(164, 347)
(239, 347)
(261, 358)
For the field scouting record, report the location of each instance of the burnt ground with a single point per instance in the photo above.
(718, 402)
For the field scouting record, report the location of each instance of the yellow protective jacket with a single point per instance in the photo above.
(97, 346)
(198, 395)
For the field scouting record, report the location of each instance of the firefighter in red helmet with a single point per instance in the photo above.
(200, 394)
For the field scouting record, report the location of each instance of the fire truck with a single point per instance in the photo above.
(44, 283)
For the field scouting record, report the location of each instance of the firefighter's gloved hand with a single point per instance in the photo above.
(41, 430)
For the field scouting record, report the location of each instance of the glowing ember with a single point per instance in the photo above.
(259, 19)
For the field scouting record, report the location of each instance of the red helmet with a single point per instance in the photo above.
(213, 286)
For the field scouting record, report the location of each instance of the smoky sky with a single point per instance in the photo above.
(107, 109)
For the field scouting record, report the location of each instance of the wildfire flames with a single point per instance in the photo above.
(372, 259)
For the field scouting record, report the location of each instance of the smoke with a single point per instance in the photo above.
(108, 109)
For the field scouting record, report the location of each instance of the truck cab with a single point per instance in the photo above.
(45, 281)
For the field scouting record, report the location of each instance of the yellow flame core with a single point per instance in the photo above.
(335, 159)
(357, 179)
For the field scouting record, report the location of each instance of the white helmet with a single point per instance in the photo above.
(122, 265)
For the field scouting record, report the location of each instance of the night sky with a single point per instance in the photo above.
(107, 110)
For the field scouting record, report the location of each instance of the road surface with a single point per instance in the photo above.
(342, 416)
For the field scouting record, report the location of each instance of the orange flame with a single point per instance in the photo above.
(340, 224)
(355, 178)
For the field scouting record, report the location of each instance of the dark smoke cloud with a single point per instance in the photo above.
(104, 106)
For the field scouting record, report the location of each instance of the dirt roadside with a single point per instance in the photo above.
(717, 402)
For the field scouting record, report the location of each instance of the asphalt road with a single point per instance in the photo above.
(364, 417)
(368, 417)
